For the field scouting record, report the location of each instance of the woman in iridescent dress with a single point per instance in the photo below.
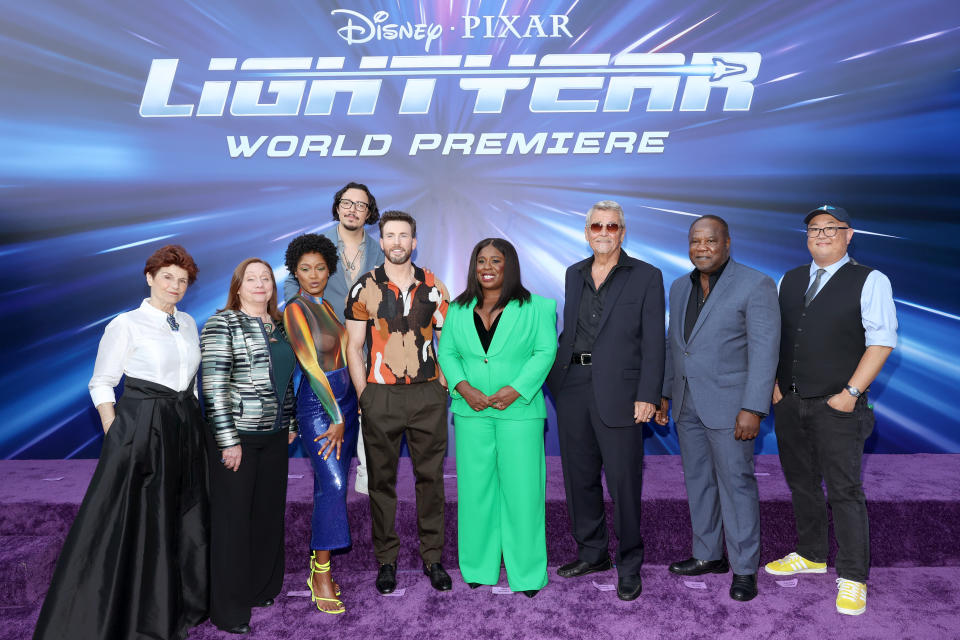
(326, 406)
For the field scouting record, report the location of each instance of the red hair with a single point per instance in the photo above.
(172, 254)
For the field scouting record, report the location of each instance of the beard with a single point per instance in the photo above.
(350, 225)
(398, 259)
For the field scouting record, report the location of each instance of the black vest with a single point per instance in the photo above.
(821, 345)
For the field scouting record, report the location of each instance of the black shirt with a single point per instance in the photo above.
(697, 299)
(591, 305)
(485, 335)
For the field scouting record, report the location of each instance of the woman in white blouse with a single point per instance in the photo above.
(134, 564)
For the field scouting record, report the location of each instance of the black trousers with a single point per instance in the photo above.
(247, 510)
(819, 444)
(588, 446)
(419, 411)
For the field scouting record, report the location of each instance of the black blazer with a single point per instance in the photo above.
(628, 355)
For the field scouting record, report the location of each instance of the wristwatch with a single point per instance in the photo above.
(853, 391)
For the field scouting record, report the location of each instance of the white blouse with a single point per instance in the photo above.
(141, 344)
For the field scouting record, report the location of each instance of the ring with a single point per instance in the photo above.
(223, 461)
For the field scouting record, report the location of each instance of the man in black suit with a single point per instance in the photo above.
(606, 383)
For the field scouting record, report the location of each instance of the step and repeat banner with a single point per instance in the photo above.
(226, 126)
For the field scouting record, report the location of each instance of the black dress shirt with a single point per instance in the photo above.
(697, 299)
(591, 305)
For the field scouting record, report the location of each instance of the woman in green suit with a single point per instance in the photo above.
(498, 344)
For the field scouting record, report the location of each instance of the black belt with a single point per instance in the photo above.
(585, 358)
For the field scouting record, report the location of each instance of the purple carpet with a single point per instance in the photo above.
(914, 505)
(902, 603)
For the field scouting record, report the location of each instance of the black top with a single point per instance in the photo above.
(697, 299)
(821, 344)
(485, 335)
(591, 305)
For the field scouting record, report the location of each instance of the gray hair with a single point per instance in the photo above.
(606, 205)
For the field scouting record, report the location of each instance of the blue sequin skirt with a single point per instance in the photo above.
(330, 528)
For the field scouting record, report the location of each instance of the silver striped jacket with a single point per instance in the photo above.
(237, 383)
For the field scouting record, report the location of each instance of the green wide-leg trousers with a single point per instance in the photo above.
(501, 483)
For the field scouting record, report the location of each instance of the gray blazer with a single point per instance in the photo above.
(730, 360)
(336, 291)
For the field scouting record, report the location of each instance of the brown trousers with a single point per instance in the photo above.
(420, 412)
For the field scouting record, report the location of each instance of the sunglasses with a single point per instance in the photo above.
(597, 227)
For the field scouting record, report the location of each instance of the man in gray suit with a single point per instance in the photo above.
(358, 252)
(722, 352)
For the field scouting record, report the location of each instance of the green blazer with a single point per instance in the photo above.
(520, 355)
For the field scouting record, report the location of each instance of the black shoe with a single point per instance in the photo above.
(629, 587)
(531, 592)
(266, 603)
(387, 578)
(744, 588)
(694, 567)
(581, 568)
(239, 629)
(474, 585)
(439, 579)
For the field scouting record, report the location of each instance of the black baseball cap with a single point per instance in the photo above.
(837, 212)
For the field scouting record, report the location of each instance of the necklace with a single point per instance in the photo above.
(265, 319)
(351, 265)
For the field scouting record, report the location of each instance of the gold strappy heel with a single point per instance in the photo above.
(316, 567)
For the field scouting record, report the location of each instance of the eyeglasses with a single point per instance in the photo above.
(597, 227)
(829, 232)
(359, 207)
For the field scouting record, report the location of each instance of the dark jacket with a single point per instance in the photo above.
(628, 354)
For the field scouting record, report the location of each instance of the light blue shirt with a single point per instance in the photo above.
(877, 310)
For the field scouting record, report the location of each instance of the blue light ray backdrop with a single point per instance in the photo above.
(855, 103)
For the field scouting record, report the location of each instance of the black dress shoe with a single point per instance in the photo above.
(629, 587)
(387, 578)
(439, 578)
(581, 568)
(473, 585)
(239, 629)
(744, 588)
(266, 603)
(694, 567)
(531, 592)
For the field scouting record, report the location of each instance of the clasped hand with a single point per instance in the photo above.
(479, 401)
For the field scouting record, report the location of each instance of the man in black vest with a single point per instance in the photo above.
(838, 326)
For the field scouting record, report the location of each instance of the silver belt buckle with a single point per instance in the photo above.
(586, 359)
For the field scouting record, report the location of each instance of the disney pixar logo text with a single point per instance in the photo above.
(360, 28)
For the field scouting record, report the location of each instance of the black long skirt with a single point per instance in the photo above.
(135, 563)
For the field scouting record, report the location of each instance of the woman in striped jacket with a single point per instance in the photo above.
(247, 365)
